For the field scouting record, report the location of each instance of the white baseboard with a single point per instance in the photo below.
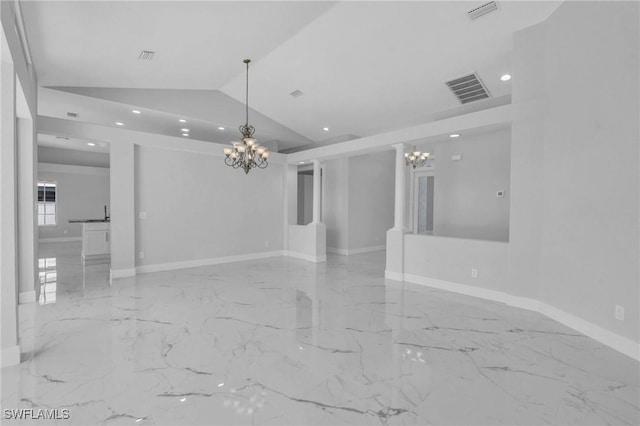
(390, 275)
(170, 266)
(60, 240)
(10, 356)
(346, 252)
(615, 341)
(122, 273)
(307, 257)
(26, 297)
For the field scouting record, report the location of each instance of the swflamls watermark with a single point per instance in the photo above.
(36, 414)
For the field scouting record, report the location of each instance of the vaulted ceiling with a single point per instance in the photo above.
(363, 67)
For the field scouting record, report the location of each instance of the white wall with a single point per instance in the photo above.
(465, 202)
(82, 193)
(198, 208)
(577, 161)
(371, 199)
(71, 156)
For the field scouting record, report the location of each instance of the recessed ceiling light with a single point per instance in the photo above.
(135, 111)
(185, 134)
(220, 128)
(326, 129)
(302, 162)
(182, 120)
(91, 144)
(119, 123)
(506, 77)
(454, 135)
(184, 130)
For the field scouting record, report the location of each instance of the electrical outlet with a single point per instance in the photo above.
(266, 243)
(500, 194)
(474, 273)
(142, 215)
(141, 255)
(619, 313)
(66, 231)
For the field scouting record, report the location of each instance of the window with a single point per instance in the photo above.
(46, 203)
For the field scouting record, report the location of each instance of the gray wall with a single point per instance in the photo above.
(371, 199)
(465, 202)
(336, 202)
(575, 177)
(358, 200)
(82, 193)
(305, 199)
(198, 208)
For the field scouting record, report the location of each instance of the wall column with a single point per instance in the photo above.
(398, 219)
(9, 348)
(317, 192)
(122, 194)
(395, 236)
(27, 218)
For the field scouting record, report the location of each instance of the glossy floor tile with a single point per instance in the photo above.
(286, 342)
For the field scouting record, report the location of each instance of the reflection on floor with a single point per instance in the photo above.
(283, 341)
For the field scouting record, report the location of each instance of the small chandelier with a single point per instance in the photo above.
(416, 158)
(246, 154)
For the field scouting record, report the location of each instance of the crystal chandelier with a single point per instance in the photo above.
(416, 158)
(246, 154)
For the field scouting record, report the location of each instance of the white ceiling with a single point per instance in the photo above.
(364, 67)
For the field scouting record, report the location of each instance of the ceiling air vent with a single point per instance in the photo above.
(468, 88)
(146, 55)
(72, 114)
(479, 11)
(62, 137)
(296, 93)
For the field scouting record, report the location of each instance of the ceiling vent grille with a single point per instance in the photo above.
(146, 55)
(468, 88)
(479, 11)
(62, 137)
(72, 114)
(296, 93)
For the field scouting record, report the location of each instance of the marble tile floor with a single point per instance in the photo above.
(285, 342)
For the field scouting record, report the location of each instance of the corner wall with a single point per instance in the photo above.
(198, 209)
(575, 162)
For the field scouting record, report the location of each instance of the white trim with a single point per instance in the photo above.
(10, 356)
(307, 257)
(347, 252)
(60, 240)
(390, 275)
(122, 273)
(602, 335)
(26, 297)
(72, 169)
(170, 266)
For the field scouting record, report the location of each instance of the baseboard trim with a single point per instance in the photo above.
(347, 252)
(122, 273)
(60, 240)
(307, 257)
(10, 356)
(390, 275)
(170, 266)
(613, 340)
(26, 297)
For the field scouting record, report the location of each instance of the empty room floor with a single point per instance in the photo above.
(284, 341)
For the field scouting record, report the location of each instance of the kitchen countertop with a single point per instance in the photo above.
(88, 221)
